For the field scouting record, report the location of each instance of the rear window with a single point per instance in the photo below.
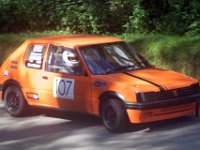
(34, 56)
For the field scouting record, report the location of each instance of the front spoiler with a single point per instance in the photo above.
(164, 103)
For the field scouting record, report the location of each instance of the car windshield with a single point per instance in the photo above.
(112, 58)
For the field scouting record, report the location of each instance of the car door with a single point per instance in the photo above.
(62, 89)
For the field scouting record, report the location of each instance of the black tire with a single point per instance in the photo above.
(14, 101)
(114, 116)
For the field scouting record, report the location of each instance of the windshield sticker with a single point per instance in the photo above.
(38, 48)
(63, 88)
(34, 65)
(35, 56)
(37, 53)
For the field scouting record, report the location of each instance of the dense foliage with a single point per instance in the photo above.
(101, 16)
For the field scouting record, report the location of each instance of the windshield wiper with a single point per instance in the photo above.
(112, 70)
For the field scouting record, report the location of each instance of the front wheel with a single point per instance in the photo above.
(14, 101)
(114, 116)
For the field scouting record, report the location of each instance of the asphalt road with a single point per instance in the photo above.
(53, 130)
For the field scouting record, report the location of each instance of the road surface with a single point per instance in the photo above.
(53, 130)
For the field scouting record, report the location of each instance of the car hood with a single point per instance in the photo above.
(163, 78)
(149, 79)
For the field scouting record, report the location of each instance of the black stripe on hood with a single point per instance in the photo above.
(159, 86)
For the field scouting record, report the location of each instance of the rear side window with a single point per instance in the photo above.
(34, 56)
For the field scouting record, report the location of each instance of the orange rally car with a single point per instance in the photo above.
(99, 75)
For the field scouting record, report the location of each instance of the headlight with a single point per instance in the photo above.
(145, 96)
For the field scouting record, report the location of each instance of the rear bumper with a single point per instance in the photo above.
(1, 92)
(1, 87)
(171, 108)
(1, 97)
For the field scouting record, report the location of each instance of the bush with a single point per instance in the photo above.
(76, 16)
(137, 21)
(181, 19)
(101, 16)
(85, 17)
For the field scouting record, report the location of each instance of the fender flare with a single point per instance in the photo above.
(111, 94)
(7, 83)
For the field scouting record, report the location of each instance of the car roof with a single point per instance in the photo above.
(75, 40)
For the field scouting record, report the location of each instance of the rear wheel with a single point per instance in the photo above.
(114, 116)
(14, 101)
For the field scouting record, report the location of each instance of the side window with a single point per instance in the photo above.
(34, 56)
(63, 60)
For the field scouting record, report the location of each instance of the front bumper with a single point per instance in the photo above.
(161, 110)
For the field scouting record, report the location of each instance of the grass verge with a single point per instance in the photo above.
(179, 53)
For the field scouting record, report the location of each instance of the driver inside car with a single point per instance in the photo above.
(71, 63)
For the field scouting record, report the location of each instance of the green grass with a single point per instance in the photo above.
(179, 53)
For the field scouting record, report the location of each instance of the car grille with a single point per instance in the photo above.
(169, 94)
(180, 92)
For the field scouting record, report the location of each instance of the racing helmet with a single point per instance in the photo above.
(70, 58)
